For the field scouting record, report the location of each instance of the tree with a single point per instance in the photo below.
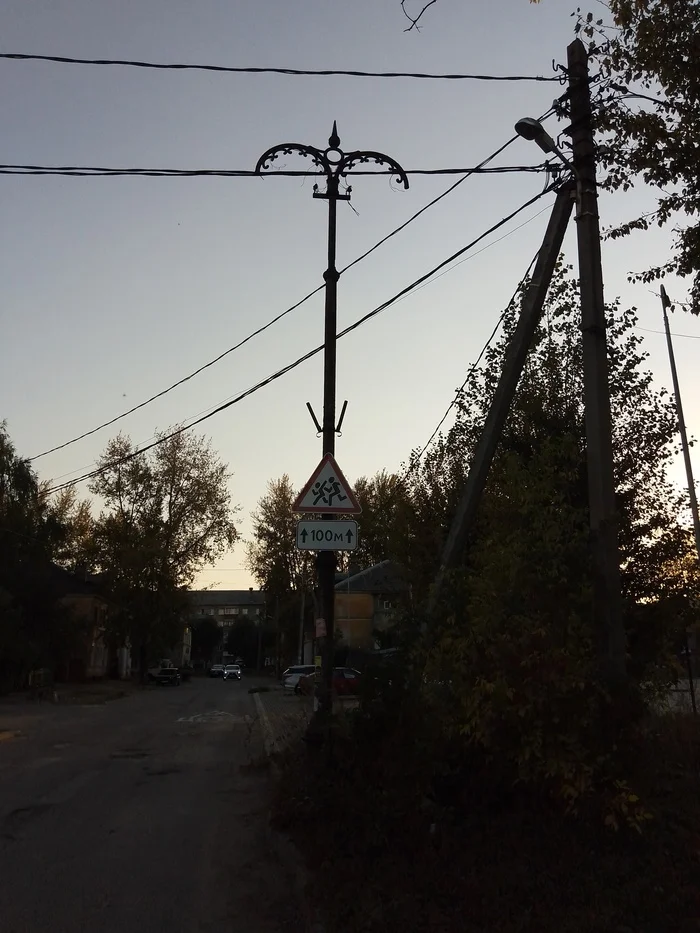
(247, 639)
(384, 528)
(34, 631)
(77, 549)
(167, 513)
(283, 571)
(648, 116)
(515, 637)
(206, 638)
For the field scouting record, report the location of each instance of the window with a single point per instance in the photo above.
(228, 611)
(244, 612)
(221, 611)
(209, 612)
(387, 604)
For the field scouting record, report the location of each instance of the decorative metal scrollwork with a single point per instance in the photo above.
(333, 162)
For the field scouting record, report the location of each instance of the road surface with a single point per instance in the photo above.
(134, 816)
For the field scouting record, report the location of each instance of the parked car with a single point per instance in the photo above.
(168, 676)
(346, 682)
(216, 670)
(290, 678)
(232, 672)
(157, 667)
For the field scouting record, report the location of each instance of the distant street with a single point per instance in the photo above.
(134, 816)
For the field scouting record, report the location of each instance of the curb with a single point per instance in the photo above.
(282, 846)
(268, 735)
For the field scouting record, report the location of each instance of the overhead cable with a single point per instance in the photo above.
(96, 171)
(305, 72)
(311, 353)
(472, 369)
(289, 310)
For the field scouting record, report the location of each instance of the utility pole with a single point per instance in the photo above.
(334, 164)
(665, 305)
(607, 597)
(516, 355)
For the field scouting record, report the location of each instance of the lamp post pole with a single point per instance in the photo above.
(334, 164)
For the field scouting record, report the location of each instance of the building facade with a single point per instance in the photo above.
(366, 603)
(226, 607)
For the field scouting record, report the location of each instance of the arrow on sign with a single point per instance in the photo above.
(326, 535)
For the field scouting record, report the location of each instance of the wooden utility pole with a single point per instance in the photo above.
(665, 305)
(516, 355)
(607, 597)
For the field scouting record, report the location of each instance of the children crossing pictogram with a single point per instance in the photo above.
(327, 492)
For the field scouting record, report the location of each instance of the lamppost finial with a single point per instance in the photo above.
(334, 139)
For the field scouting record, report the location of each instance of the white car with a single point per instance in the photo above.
(232, 672)
(292, 676)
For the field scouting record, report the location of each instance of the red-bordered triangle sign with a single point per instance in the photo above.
(327, 492)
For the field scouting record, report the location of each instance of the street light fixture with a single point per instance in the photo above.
(532, 130)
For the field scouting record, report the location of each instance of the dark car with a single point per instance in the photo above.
(168, 676)
(216, 670)
(232, 672)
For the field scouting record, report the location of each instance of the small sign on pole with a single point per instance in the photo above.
(327, 535)
(320, 628)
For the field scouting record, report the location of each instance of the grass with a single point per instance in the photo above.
(489, 859)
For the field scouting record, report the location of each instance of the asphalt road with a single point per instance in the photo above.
(136, 817)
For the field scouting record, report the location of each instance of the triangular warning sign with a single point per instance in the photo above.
(327, 492)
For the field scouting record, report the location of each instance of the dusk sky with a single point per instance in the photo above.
(114, 288)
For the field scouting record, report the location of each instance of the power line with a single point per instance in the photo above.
(473, 367)
(435, 278)
(482, 165)
(162, 66)
(302, 359)
(96, 171)
(663, 332)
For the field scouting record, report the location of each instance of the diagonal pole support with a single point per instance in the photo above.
(516, 355)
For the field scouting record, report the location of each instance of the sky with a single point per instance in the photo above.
(114, 288)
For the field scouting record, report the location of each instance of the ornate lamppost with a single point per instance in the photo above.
(334, 164)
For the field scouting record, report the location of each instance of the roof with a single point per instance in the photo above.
(205, 598)
(55, 580)
(385, 577)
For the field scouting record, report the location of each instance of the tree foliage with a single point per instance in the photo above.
(272, 556)
(166, 514)
(206, 638)
(386, 507)
(650, 48)
(513, 649)
(34, 630)
(647, 100)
